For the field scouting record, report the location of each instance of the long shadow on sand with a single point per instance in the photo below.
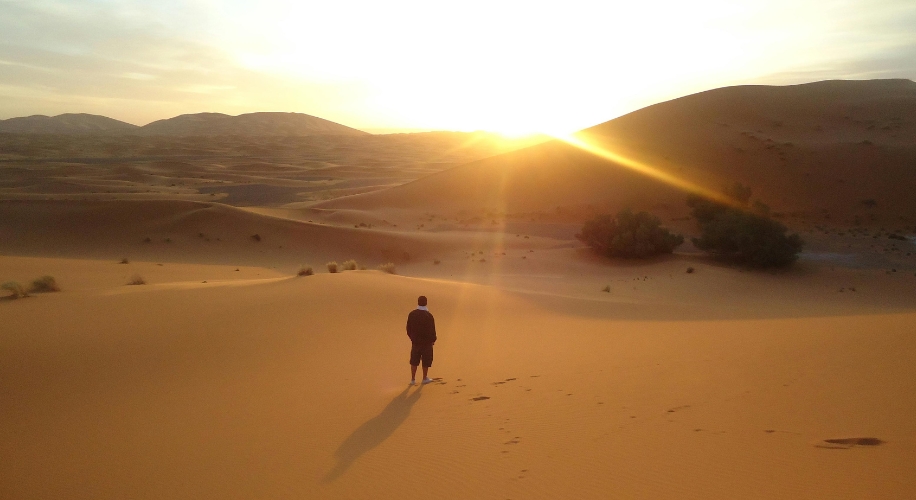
(372, 433)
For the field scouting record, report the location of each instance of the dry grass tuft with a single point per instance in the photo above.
(45, 284)
(332, 267)
(305, 271)
(388, 268)
(124, 261)
(136, 280)
(350, 265)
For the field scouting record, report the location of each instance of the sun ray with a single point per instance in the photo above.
(648, 170)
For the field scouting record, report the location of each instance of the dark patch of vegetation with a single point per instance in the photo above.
(124, 261)
(332, 267)
(743, 232)
(690, 270)
(303, 271)
(350, 265)
(15, 289)
(45, 284)
(387, 267)
(136, 280)
(628, 235)
(256, 237)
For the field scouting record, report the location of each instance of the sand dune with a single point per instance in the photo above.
(295, 387)
(804, 149)
(249, 124)
(67, 123)
(558, 373)
(177, 231)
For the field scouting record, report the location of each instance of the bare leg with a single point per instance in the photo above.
(425, 371)
(413, 372)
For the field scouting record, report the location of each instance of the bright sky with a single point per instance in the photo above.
(512, 67)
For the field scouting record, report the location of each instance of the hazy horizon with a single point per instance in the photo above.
(411, 66)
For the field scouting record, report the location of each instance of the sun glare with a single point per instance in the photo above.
(646, 169)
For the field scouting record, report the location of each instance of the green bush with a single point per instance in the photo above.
(742, 233)
(628, 235)
(15, 289)
(45, 284)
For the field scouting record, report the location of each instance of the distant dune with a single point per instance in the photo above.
(819, 146)
(66, 124)
(251, 124)
(199, 124)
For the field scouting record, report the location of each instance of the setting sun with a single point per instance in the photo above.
(352, 249)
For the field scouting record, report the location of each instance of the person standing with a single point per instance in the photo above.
(421, 328)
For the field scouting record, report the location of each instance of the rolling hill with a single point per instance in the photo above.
(66, 124)
(821, 147)
(250, 124)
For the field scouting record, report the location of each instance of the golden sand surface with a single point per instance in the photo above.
(558, 373)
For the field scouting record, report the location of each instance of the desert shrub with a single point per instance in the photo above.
(124, 261)
(136, 280)
(45, 284)
(743, 233)
(350, 265)
(387, 267)
(332, 267)
(690, 270)
(305, 271)
(628, 235)
(606, 289)
(362, 267)
(15, 289)
(256, 237)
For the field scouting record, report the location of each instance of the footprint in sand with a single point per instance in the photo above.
(846, 443)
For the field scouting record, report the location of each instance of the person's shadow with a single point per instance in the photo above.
(372, 433)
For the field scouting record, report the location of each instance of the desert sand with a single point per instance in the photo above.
(226, 375)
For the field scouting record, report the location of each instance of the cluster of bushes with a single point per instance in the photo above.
(628, 235)
(350, 265)
(732, 229)
(742, 232)
(44, 284)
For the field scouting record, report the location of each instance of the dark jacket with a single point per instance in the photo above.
(421, 328)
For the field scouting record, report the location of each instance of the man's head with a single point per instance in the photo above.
(421, 301)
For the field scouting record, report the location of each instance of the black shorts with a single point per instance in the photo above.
(423, 352)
